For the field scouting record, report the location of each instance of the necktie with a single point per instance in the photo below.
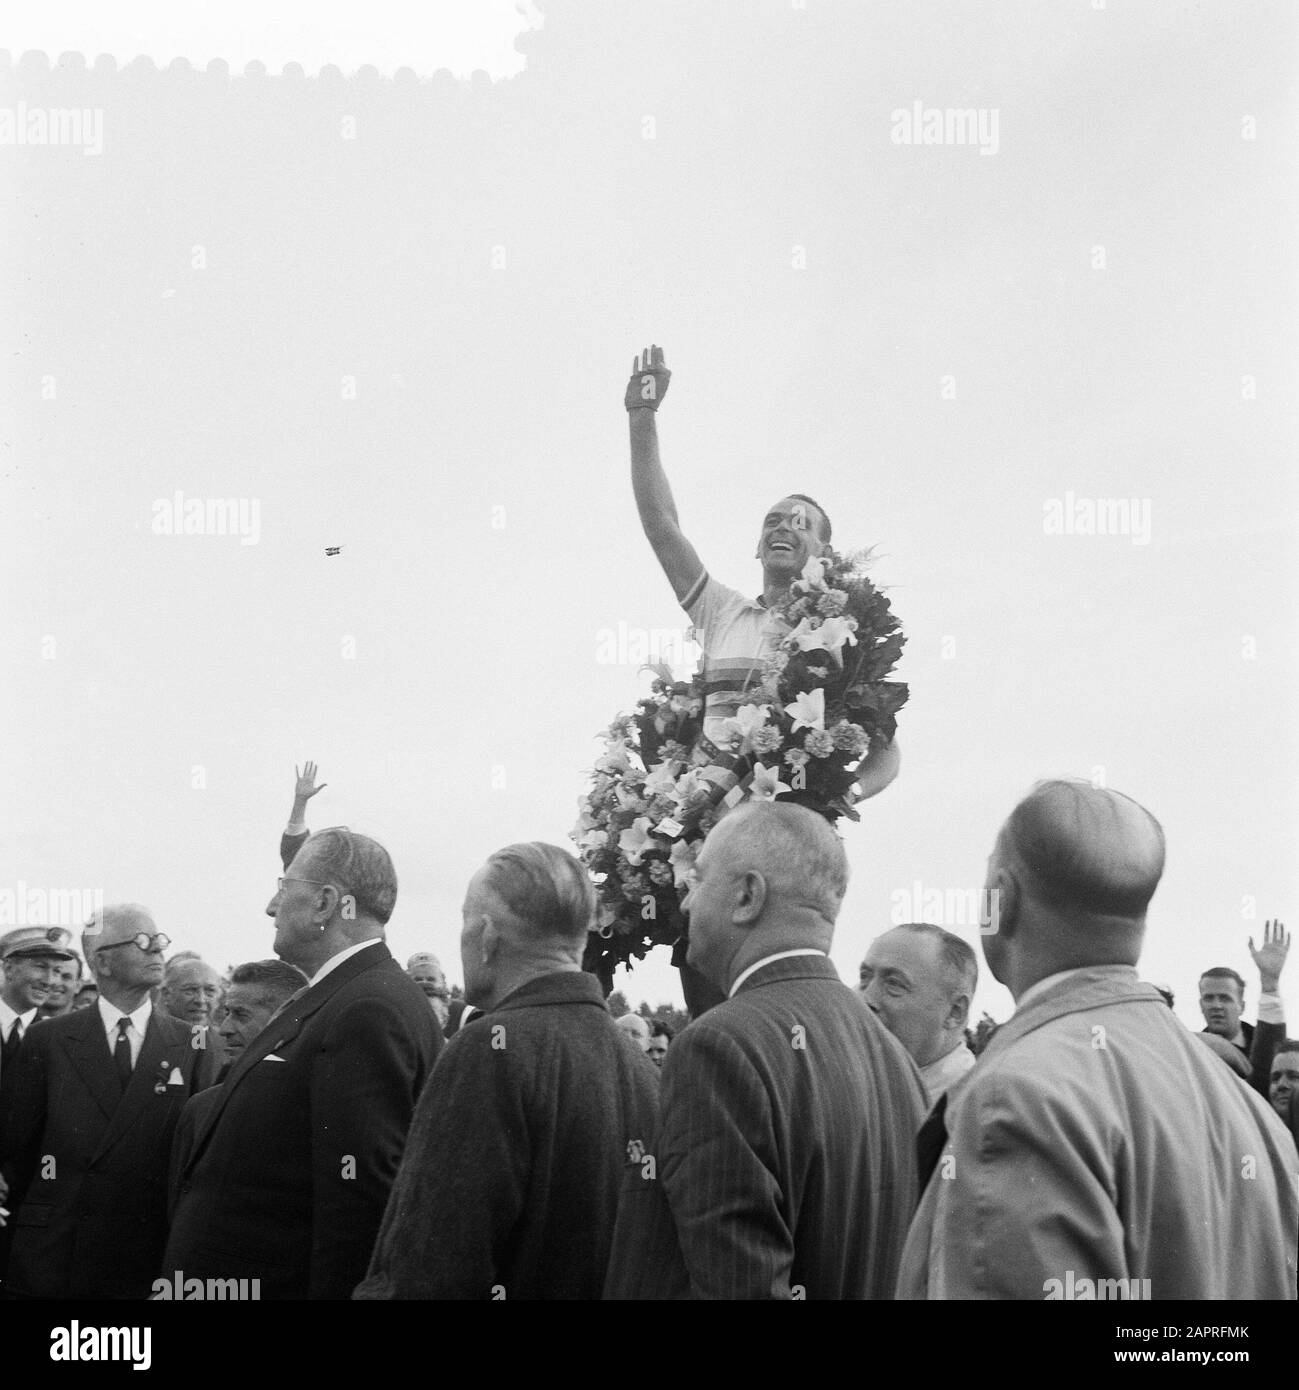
(930, 1141)
(122, 1053)
(12, 1041)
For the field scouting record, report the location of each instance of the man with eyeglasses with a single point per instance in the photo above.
(92, 1104)
(289, 1173)
(191, 992)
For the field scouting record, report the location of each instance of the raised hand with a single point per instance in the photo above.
(1270, 957)
(306, 787)
(649, 380)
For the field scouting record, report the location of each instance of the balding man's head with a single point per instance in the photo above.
(1073, 871)
(110, 943)
(191, 991)
(770, 877)
(1088, 850)
(526, 912)
(636, 1028)
(339, 891)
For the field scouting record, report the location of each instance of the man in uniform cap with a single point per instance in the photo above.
(426, 970)
(31, 957)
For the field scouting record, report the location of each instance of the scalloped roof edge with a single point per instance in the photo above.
(37, 61)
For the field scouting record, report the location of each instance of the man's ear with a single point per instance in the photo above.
(1003, 905)
(958, 1014)
(323, 914)
(751, 898)
(490, 942)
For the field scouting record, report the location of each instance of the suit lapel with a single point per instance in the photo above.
(282, 1030)
(87, 1046)
(160, 1045)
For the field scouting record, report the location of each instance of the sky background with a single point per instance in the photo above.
(398, 311)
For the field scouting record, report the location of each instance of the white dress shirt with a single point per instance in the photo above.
(939, 1076)
(1271, 1009)
(7, 1017)
(336, 960)
(110, 1013)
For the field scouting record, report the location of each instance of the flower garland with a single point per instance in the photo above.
(820, 705)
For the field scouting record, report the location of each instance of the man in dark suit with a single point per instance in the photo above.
(30, 959)
(191, 993)
(509, 1187)
(258, 990)
(784, 1166)
(92, 1106)
(289, 1174)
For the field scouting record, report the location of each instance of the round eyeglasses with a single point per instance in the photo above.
(159, 941)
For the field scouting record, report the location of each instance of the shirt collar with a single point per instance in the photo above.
(766, 960)
(7, 1016)
(336, 960)
(110, 1013)
(941, 1072)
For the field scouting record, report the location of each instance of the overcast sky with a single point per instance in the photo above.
(398, 315)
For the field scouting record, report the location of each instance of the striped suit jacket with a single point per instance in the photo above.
(784, 1165)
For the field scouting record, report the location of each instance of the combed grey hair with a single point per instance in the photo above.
(1088, 849)
(545, 888)
(274, 980)
(959, 961)
(359, 867)
(799, 856)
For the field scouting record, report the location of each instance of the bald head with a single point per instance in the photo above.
(1086, 851)
(119, 922)
(636, 1028)
(770, 877)
(124, 970)
(1073, 871)
(801, 859)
